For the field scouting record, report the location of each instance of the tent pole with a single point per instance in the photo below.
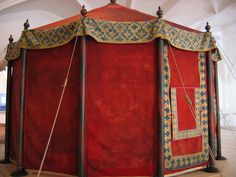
(160, 163)
(211, 165)
(20, 171)
(81, 168)
(6, 159)
(160, 115)
(218, 133)
(81, 158)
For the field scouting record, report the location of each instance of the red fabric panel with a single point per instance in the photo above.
(116, 12)
(182, 27)
(186, 119)
(121, 109)
(111, 12)
(15, 107)
(187, 63)
(46, 71)
(60, 23)
(186, 146)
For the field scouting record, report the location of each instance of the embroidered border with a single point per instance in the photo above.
(177, 135)
(13, 52)
(118, 33)
(189, 160)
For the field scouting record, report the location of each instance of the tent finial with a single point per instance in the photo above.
(159, 12)
(208, 27)
(11, 39)
(113, 1)
(26, 25)
(83, 11)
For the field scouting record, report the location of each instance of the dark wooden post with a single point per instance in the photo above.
(218, 133)
(160, 168)
(81, 163)
(211, 132)
(112, 1)
(20, 171)
(6, 159)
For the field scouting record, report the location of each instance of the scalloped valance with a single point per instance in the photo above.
(113, 32)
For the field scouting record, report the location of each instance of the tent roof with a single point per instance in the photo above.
(112, 12)
(114, 24)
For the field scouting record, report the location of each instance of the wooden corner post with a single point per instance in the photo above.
(6, 159)
(160, 164)
(211, 132)
(20, 170)
(82, 145)
(218, 133)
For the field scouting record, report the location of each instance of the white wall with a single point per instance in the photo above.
(39, 12)
(227, 80)
(14, 23)
(3, 77)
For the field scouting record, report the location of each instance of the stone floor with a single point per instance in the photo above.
(227, 167)
(229, 149)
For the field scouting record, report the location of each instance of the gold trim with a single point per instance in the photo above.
(177, 134)
(13, 51)
(117, 33)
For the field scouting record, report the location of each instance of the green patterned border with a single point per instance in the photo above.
(117, 33)
(13, 52)
(177, 135)
(189, 160)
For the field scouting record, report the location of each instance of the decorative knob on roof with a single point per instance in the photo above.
(26, 25)
(11, 39)
(113, 1)
(159, 12)
(208, 27)
(83, 11)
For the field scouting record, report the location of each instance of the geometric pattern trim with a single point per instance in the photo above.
(117, 33)
(177, 135)
(13, 52)
(188, 160)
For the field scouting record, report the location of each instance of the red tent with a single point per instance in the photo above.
(132, 95)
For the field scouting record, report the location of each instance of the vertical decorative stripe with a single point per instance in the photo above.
(188, 160)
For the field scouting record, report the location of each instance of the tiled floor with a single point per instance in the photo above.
(229, 149)
(228, 167)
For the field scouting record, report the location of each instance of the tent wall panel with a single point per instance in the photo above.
(121, 109)
(44, 83)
